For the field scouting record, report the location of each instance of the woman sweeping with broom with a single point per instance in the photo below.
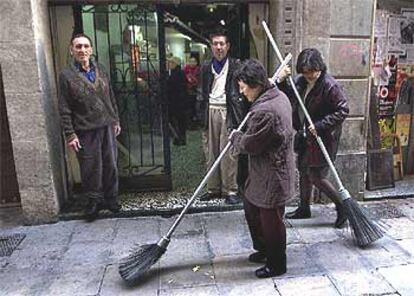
(328, 107)
(364, 230)
(268, 141)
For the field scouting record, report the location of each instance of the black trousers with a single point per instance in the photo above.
(178, 120)
(268, 232)
(98, 164)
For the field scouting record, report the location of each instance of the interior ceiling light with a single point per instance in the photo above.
(211, 7)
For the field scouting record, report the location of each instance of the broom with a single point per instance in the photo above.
(364, 230)
(143, 257)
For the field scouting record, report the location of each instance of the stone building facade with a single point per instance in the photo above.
(342, 30)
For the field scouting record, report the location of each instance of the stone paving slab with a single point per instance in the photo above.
(401, 228)
(406, 206)
(292, 235)
(401, 278)
(191, 291)
(408, 247)
(102, 230)
(234, 269)
(41, 259)
(82, 280)
(227, 233)
(186, 263)
(24, 282)
(307, 285)
(361, 282)
(114, 285)
(258, 288)
(79, 254)
(130, 233)
(350, 272)
(188, 225)
(384, 253)
(49, 234)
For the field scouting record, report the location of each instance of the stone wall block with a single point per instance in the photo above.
(20, 77)
(26, 115)
(29, 128)
(16, 21)
(17, 52)
(351, 169)
(360, 12)
(316, 18)
(349, 57)
(352, 138)
(38, 208)
(320, 43)
(33, 164)
(357, 93)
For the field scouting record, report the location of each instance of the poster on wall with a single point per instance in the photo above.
(402, 128)
(381, 23)
(407, 35)
(394, 34)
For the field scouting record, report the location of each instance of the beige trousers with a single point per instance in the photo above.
(224, 178)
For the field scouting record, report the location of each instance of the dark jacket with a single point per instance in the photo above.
(327, 106)
(84, 105)
(268, 141)
(176, 91)
(237, 105)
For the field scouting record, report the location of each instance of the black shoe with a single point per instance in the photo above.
(266, 272)
(257, 257)
(209, 196)
(232, 199)
(341, 217)
(114, 207)
(302, 212)
(92, 211)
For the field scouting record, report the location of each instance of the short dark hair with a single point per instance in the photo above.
(310, 59)
(79, 35)
(253, 74)
(219, 32)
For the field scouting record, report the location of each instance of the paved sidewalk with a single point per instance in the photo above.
(208, 256)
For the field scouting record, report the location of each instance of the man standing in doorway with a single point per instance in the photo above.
(90, 121)
(225, 109)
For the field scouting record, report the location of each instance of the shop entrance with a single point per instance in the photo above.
(391, 138)
(133, 42)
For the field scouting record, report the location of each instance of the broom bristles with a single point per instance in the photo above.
(364, 230)
(140, 261)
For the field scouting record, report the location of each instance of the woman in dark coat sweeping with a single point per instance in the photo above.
(328, 107)
(268, 141)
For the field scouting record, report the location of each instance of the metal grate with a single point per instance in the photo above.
(8, 243)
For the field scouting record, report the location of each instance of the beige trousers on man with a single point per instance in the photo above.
(224, 178)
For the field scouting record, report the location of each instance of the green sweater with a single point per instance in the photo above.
(84, 105)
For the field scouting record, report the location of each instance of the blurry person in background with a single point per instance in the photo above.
(177, 100)
(192, 75)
